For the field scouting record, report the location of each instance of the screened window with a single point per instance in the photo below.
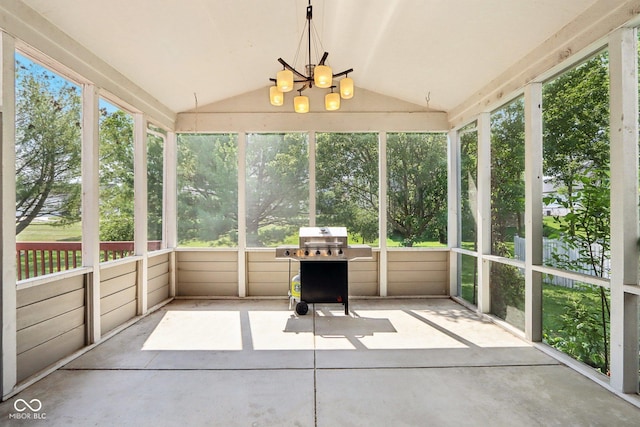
(116, 182)
(576, 207)
(208, 190)
(48, 171)
(347, 183)
(507, 212)
(155, 188)
(417, 189)
(507, 181)
(468, 187)
(277, 188)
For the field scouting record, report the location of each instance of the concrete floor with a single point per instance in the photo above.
(391, 362)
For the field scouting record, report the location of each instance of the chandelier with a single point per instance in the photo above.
(319, 75)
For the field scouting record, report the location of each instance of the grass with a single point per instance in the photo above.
(47, 232)
(555, 299)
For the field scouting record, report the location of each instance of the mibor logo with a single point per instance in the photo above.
(27, 410)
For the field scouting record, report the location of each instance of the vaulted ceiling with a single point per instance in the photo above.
(413, 50)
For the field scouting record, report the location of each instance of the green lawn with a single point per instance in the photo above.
(555, 297)
(555, 300)
(45, 232)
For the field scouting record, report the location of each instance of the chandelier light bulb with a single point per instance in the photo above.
(276, 96)
(346, 88)
(284, 80)
(301, 104)
(332, 101)
(323, 76)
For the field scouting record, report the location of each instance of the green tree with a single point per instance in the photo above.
(576, 126)
(277, 187)
(47, 147)
(208, 188)
(507, 175)
(116, 176)
(507, 204)
(469, 185)
(417, 190)
(155, 186)
(576, 153)
(347, 182)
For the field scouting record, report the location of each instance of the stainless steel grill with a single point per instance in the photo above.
(323, 253)
(323, 244)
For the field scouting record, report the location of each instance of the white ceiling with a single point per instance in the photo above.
(223, 48)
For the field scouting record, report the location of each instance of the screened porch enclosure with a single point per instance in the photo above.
(516, 199)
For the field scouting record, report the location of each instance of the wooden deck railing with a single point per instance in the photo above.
(39, 258)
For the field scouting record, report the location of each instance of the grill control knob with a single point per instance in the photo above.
(306, 253)
(339, 251)
(329, 252)
(286, 253)
(318, 252)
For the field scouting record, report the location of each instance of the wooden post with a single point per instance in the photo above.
(90, 207)
(623, 71)
(533, 210)
(453, 208)
(242, 214)
(140, 206)
(382, 214)
(484, 210)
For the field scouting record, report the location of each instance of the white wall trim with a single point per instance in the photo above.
(8, 296)
(319, 122)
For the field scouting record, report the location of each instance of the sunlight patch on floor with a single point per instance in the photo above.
(197, 330)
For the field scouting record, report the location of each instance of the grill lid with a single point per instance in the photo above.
(323, 244)
(313, 237)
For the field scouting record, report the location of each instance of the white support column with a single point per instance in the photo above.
(8, 370)
(453, 208)
(484, 210)
(90, 206)
(242, 214)
(140, 206)
(623, 71)
(312, 179)
(533, 210)
(382, 212)
(171, 205)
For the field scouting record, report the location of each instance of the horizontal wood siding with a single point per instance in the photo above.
(117, 295)
(157, 279)
(363, 276)
(207, 273)
(268, 276)
(214, 273)
(50, 323)
(421, 272)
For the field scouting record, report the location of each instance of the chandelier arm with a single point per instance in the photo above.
(307, 85)
(289, 67)
(344, 73)
(324, 58)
